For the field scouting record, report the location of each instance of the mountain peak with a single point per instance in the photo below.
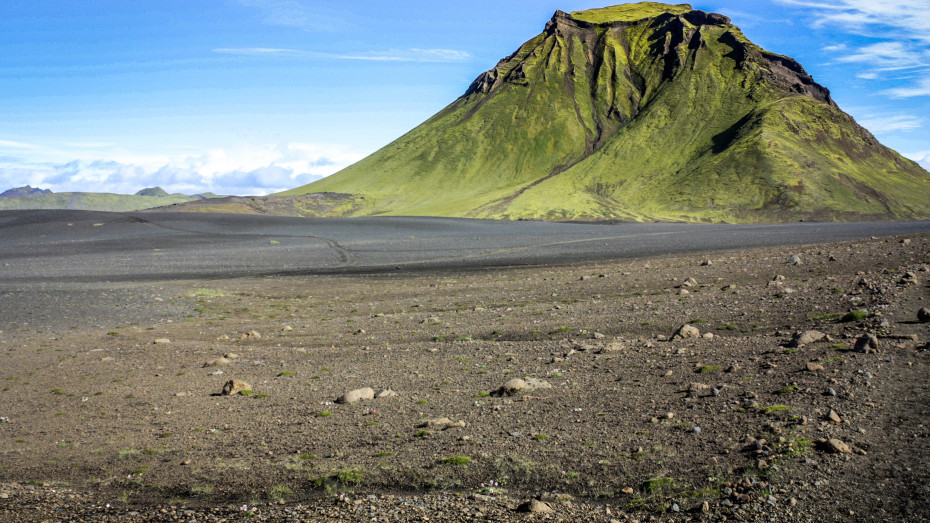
(642, 111)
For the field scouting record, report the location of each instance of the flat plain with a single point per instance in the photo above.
(119, 332)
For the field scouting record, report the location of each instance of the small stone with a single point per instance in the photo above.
(806, 338)
(834, 417)
(287, 328)
(706, 263)
(231, 356)
(356, 395)
(535, 506)
(216, 362)
(614, 346)
(794, 260)
(443, 424)
(867, 343)
(690, 282)
(814, 367)
(512, 387)
(222, 337)
(235, 387)
(683, 292)
(628, 491)
(696, 430)
(834, 446)
(687, 331)
(161, 341)
(697, 387)
(250, 335)
(923, 315)
(708, 335)
(387, 393)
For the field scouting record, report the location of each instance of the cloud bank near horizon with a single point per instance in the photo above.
(254, 170)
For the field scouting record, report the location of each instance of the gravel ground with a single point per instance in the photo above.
(111, 407)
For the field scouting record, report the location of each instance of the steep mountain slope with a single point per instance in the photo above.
(641, 111)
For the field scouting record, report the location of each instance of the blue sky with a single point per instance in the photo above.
(256, 96)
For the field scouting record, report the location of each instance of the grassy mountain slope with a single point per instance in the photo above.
(642, 111)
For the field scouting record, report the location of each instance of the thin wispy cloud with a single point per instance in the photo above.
(259, 51)
(921, 88)
(393, 55)
(299, 15)
(900, 25)
(409, 55)
(907, 16)
(891, 123)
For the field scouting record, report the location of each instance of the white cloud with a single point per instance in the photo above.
(299, 15)
(886, 56)
(891, 123)
(900, 24)
(409, 55)
(921, 88)
(244, 169)
(907, 16)
(393, 55)
(258, 51)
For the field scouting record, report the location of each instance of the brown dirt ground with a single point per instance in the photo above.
(102, 423)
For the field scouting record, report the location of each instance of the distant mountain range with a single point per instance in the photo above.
(23, 198)
(641, 111)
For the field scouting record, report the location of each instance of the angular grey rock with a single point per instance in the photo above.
(794, 260)
(386, 393)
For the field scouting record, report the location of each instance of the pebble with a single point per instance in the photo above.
(353, 396)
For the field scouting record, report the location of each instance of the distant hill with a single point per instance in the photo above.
(89, 201)
(640, 111)
(24, 191)
(153, 191)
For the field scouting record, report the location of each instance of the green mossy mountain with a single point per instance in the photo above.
(642, 111)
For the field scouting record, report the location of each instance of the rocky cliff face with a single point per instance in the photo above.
(641, 111)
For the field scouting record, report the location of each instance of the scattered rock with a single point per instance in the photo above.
(814, 367)
(353, 396)
(216, 362)
(690, 282)
(794, 260)
(443, 424)
(683, 292)
(806, 338)
(706, 263)
(697, 387)
(250, 335)
(909, 278)
(687, 331)
(614, 346)
(923, 315)
(161, 341)
(834, 417)
(708, 335)
(535, 506)
(518, 385)
(287, 328)
(222, 337)
(834, 446)
(231, 356)
(235, 387)
(628, 491)
(867, 343)
(512, 387)
(387, 393)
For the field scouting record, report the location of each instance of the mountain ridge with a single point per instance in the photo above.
(644, 112)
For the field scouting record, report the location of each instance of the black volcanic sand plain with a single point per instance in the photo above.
(110, 414)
